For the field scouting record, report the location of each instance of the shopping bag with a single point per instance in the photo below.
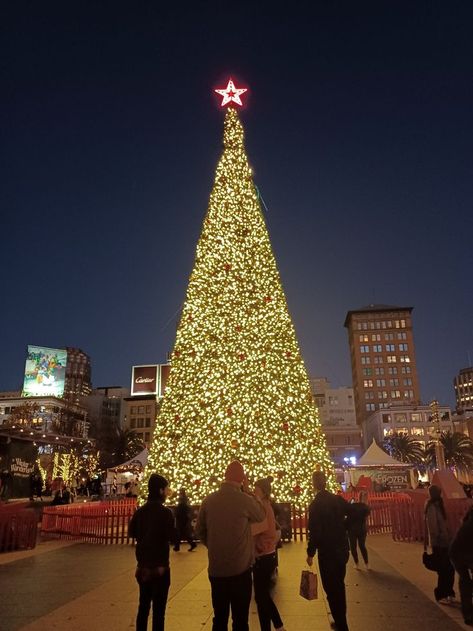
(308, 589)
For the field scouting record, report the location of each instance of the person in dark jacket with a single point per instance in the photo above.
(461, 554)
(357, 530)
(328, 535)
(152, 526)
(183, 522)
(439, 537)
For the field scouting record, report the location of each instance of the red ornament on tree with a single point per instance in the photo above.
(288, 353)
(230, 412)
(297, 490)
(285, 426)
(197, 482)
(241, 356)
(177, 417)
(228, 267)
(267, 299)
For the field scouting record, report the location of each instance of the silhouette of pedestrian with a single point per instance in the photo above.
(183, 515)
(328, 536)
(224, 527)
(357, 530)
(152, 526)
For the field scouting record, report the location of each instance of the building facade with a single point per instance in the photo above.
(463, 385)
(140, 410)
(414, 420)
(337, 415)
(382, 358)
(78, 382)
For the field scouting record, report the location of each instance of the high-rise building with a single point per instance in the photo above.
(78, 380)
(463, 384)
(337, 415)
(382, 358)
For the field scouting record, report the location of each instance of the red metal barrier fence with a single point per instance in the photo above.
(98, 522)
(18, 529)
(106, 522)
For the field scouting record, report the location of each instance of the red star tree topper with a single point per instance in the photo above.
(231, 94)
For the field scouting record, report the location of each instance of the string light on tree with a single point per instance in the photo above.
(238, 387)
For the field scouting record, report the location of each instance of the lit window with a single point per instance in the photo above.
(376, 337)
(368, 383)
(391, 359)
(404, 359)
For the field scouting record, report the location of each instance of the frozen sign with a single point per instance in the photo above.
(45, 372)
(145, 379)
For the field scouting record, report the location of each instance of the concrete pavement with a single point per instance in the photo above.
(82, 587)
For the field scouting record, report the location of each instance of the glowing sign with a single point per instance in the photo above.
(231, 94)
(45, 372)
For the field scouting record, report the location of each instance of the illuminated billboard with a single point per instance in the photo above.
(45, 372)
(145, 379)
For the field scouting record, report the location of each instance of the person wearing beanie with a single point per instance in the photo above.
(152, 526)
(439, 539)
(265, 539)
(224, 526)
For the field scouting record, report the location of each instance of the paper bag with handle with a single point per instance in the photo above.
(308, 589)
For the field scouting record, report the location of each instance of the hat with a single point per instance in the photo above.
(235, 472)
(265, 485)
(156, 484)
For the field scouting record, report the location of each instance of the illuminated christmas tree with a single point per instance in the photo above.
(238, 387)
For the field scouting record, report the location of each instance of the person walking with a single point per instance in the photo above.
(265, 539)
(461, 555)
(224, 526)
(183, 522)
(439, 538)
(152, 526)
(328, 536)
(357, 530)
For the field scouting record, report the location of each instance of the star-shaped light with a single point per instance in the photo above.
(231, 94)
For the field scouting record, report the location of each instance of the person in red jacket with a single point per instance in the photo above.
(152, 526)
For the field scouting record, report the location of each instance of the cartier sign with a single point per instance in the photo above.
(145, 379)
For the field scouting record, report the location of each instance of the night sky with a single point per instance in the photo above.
(359, 130)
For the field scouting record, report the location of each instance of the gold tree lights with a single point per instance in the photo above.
(238, 387)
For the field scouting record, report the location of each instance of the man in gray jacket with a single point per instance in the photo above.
(223, 525)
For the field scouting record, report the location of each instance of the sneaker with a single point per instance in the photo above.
(357, 567)
(176, 548)
(444, 601)
(193, 547)
(367, 566)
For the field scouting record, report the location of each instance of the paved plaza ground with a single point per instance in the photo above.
(84, 587)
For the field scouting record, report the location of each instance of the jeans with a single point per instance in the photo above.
(358, 537)
(332, 567)
(445, 573)
(234, 592)
(154, 591)
(262, 574)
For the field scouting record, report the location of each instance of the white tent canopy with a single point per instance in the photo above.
(375, 456)
(137, 461)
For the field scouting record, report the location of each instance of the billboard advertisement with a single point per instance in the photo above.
(145, 380)
(45, 372)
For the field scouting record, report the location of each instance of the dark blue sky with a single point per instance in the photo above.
(359, 130)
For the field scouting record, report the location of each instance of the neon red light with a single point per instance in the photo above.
(231, 94)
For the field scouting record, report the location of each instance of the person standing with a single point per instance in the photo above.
(183, 522)
(461, 554)
(224, 526)
(439, 538)
(152, 526)
(357, 530)
(266, 539)
(328, 536)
